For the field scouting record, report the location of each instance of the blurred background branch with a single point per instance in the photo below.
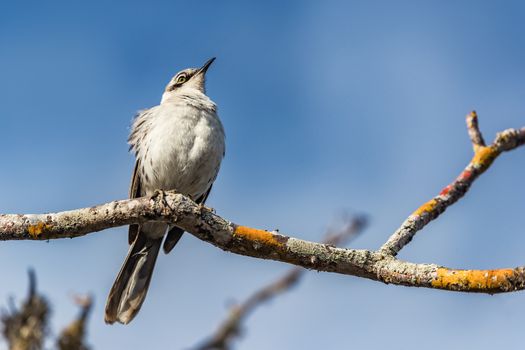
(73, 336)
(27, 327)
(231, 327)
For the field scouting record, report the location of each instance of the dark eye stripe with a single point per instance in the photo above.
(176, 82)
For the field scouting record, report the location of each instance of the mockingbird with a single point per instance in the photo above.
(178, 145)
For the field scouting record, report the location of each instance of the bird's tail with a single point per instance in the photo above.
(130, 288)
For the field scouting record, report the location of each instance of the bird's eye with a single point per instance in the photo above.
(181, 79)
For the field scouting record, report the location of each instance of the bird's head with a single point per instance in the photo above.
(187, 79)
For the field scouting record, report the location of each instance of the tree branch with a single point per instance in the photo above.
(473, 131)
(481, 161)
(231, 326)
(73, 336)
(26, 328)
(204, 224)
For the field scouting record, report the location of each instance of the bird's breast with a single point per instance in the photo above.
(182, 151)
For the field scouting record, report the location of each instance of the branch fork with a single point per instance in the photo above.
(381, 265)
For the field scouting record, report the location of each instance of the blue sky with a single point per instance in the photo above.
(328, 107)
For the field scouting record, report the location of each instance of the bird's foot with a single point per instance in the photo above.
(156, 194)
(160, 195)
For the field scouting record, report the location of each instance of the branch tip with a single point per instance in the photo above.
(483, 158)
(473, 131)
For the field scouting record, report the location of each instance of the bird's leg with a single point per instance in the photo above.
(158, 193)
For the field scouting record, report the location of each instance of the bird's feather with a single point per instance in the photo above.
(131, 285)
(134, 192)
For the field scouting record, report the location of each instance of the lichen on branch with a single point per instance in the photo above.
(205, 224)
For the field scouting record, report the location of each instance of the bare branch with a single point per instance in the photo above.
(231, 326)
(473, 131)
(204, 224)
(73, 336)
(26, 328)
(482, 160)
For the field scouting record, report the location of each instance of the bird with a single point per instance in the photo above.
(178, 145)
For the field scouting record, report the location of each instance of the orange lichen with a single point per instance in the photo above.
(484, 156)
(259, 236)
(477, 147)
(425, 208)
(473, 280)
(36, 230)
(465, 175)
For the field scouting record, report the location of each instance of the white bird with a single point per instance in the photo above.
(179, 145)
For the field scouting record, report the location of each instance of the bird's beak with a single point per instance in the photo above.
(206, 65)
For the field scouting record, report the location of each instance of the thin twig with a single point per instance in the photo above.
(473, 131)
(482, 160)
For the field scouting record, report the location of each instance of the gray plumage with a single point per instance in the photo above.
(178, 145)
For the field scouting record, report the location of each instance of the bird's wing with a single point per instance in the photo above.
(202, 199)
(175, 233)
(134, 192)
